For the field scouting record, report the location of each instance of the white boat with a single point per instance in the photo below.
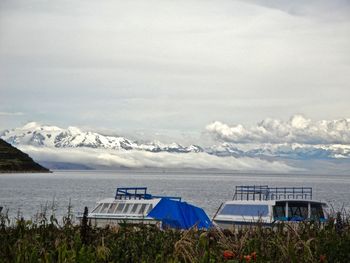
(268, 205)
(133, 205)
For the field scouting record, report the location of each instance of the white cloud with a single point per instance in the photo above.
(297, 129)
(321, 9)
(97, 158)
(179, 63)
(3, 113)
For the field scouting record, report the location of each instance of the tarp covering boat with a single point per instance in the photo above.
(180, 215)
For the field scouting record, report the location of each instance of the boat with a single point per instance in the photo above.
(261, 204)
(133, 205)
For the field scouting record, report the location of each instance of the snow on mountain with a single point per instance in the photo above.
(283, 150)
(37, 135)
(74, 148)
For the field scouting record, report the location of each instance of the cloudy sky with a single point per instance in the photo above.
(173, 68)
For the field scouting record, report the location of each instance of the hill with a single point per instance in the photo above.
(14, 160)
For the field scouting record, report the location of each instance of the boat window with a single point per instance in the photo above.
(97, 208)
(316, 211)
(150, 207)
(104, 208)
(279, 210)
(126, 209)
(245, 210)
(120, 208)
(134, 208)
(142, 209)
(297, 209)
(112, 207)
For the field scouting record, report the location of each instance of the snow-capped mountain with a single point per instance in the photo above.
(73, 148)
(283, 150)
(34, 134)
(38, 135)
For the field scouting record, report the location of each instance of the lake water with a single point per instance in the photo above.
(27, 193)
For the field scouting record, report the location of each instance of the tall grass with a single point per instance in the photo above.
(44, 239)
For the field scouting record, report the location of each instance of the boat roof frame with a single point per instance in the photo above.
(264, 192)
(124, 193)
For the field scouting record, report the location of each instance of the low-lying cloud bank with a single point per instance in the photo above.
(99, 158)
(297, 129)
(298, 144)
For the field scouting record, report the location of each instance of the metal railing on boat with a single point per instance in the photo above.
(139, 193)
(264, 192)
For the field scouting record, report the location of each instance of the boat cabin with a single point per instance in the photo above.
(133, 205)
(268, 205)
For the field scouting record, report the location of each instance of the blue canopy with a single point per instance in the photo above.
(179, 214)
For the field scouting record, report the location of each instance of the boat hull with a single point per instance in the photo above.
(233, 224)
(107, 221)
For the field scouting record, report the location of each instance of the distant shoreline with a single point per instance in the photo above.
(25, 172)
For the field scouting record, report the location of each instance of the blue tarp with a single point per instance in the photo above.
(179, 214)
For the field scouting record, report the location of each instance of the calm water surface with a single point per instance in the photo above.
(27, 193)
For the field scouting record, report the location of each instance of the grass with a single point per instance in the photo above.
(45, 240)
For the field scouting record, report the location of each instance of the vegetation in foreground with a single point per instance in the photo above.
(45, 240)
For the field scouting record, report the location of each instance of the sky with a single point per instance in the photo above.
(170, 69)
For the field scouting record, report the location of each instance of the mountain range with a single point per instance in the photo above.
(38, 135)
(35, 138)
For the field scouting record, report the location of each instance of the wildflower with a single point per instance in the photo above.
(247, 258)
(253, 255)
(228, 254)
(323, 258)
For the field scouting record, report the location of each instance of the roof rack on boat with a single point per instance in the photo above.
(139, 193)
(264, 192)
